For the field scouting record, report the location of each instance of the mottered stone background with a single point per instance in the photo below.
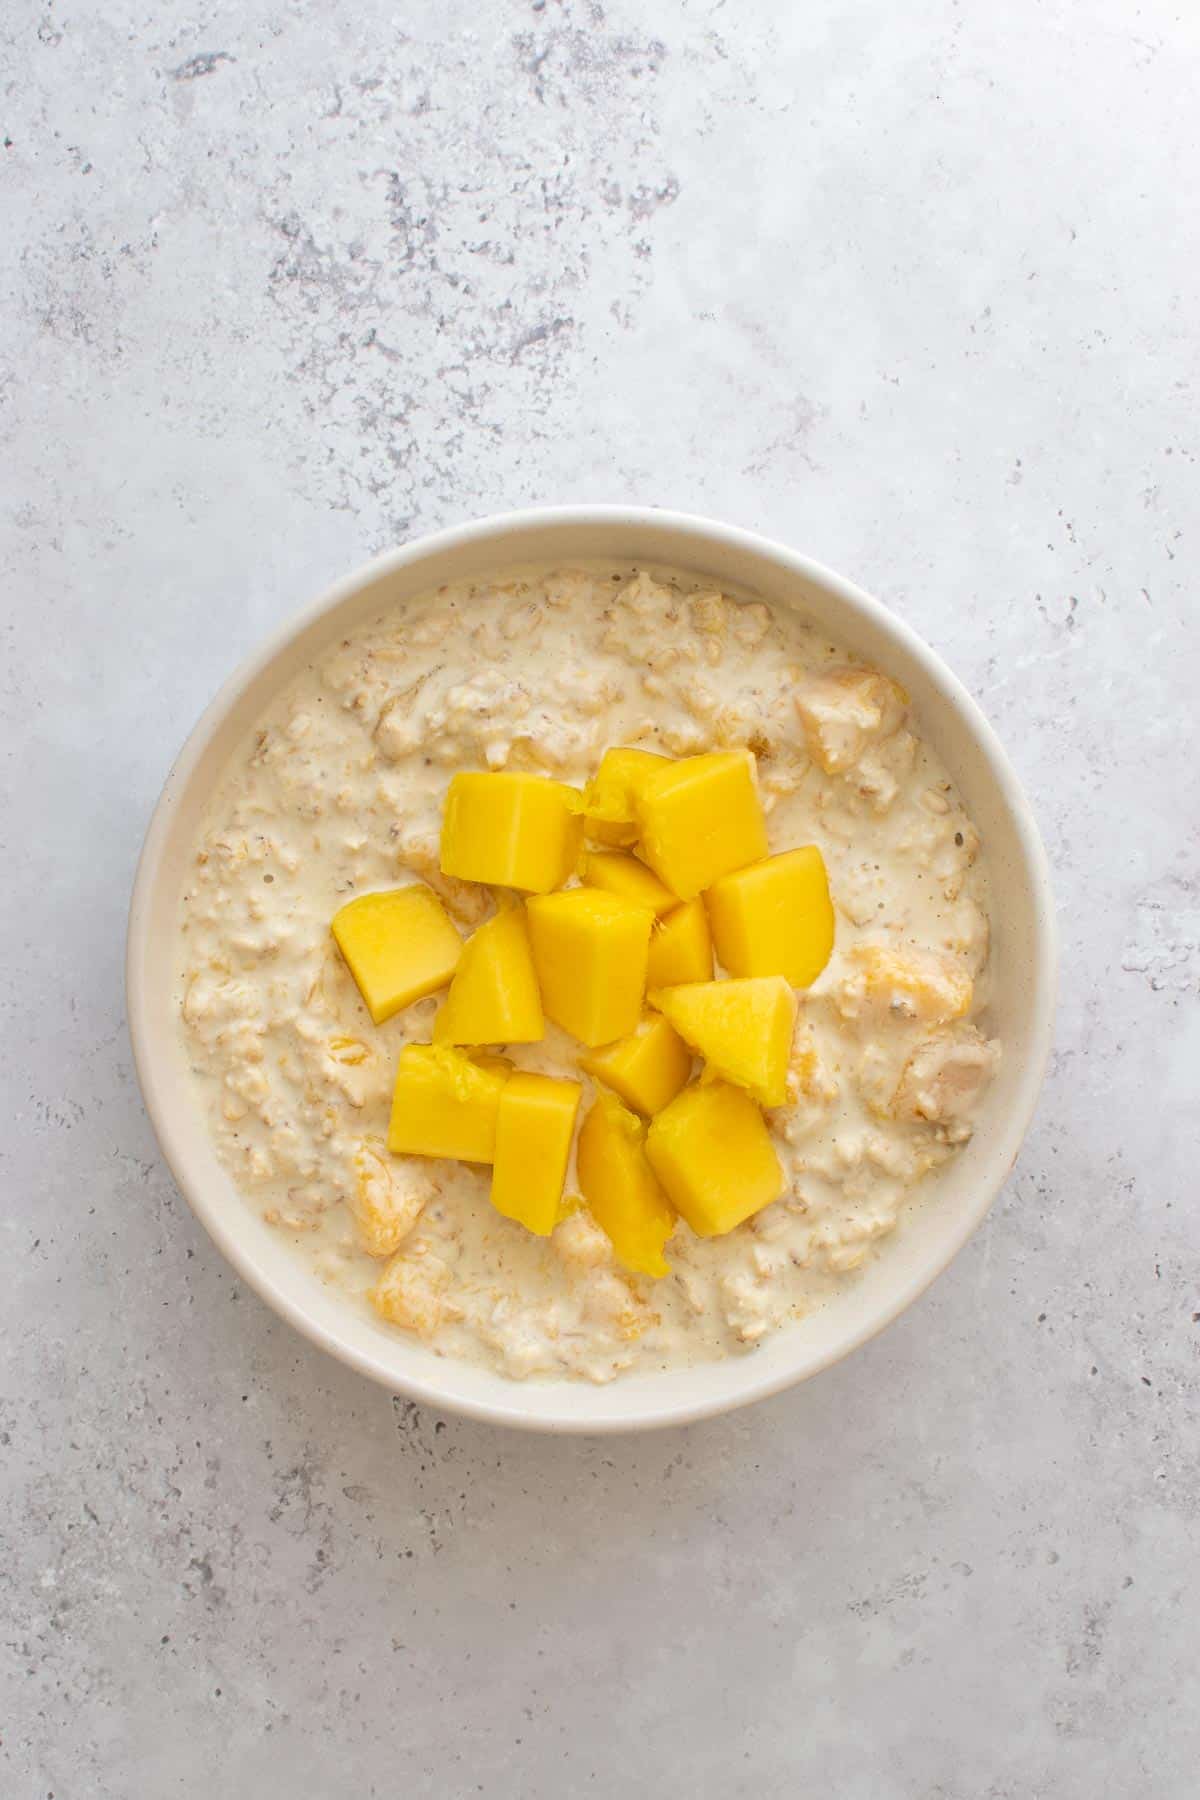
(910, 287)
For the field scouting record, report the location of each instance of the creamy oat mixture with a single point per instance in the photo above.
(340, 791)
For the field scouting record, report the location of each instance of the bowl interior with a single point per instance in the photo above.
(949, 1207)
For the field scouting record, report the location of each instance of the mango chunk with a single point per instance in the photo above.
(712, 1152)
(609, 799)
(513, 830)
(680, 947)
(534, 1126)
(494, 997)
(620, 1187)
(846, 710)
(617, 873)
(590, 950)
(388, 1197)
(699, 818)
(412, 1293)
(399, 946)
(742, 1029)
(646, 1069)
(775, 917)
(444, 1104)
(943, 1078)
(902, 985)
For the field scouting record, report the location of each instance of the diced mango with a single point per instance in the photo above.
(444, 1104)
(609, 799)
(534, 1125)
(411, 1292)
(615, 872)
(646, 1069)
(846, 710)
(620, 1187)
(902, 985)
(590, 950)
(712, 1152)
(680, 947)
(513, 830)
(388, 1197)
(775, 917)
(742, 1029)
(494, 997)
(943, 1078)
(699, 818)
(399, 946)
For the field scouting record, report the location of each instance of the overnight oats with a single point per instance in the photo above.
(584, 968)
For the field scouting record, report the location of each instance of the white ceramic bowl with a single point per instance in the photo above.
(1023, 949)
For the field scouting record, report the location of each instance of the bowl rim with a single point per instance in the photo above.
(706, 532)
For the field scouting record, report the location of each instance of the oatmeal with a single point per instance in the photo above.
(340, 793)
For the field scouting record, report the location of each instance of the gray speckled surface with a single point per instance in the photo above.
(911, 287)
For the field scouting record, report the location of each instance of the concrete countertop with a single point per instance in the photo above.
(912, 288)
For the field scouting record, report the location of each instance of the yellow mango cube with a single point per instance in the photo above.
(399, 946)
(680, 947)
(615, 872)
(646, 1069)
(494, 997)
(620, 1188)
(713, 1155)
(699, 818)
(609, 800)
(512, 830)
(444, 1104)
(534, 1127)
(590, 950)
(742, 1029)
(775, 917)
